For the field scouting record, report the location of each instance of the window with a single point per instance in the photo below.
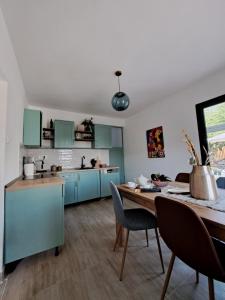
(211, 128)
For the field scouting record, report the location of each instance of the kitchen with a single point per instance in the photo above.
(59, 70)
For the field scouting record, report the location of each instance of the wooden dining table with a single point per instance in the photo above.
(213, 219)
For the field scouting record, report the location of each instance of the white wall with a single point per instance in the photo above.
(174, 113)
(3, 109)
(11, 118)
(15, 103)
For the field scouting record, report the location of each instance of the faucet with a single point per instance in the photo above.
(82, 162)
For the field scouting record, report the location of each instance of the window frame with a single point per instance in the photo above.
(202, 134)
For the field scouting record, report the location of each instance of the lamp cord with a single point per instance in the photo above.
(119, 83)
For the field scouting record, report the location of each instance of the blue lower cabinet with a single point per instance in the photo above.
(70, 187)
(34, 221)
(107, 176)
(70, 192)
(88, 185)
(116, 158)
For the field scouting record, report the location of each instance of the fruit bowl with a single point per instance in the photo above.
(159, 183)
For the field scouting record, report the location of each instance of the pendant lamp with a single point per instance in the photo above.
(120, 101)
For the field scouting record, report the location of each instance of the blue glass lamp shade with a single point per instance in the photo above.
(120, 101)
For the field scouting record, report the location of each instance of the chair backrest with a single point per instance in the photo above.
(186, 235)
(221, 182)
(183, 177)
(117, 204)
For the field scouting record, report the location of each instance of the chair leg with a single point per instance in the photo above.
(117, 237)
(146, 233)
(211, 289)
(124, 255)
(197, 277)
(160, 251)
(169, 271)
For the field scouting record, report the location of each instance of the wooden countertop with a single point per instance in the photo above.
(21, 184)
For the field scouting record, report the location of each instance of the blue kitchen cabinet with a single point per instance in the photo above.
(88, 185)
(105, 177)
(116, 158)
(34, 221)
(103, 136)
(70, 187)
(117, 137)
(64, 134)
(32, 127)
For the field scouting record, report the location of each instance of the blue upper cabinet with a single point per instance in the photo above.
(64, 134)
(117, 137)
(32, 127)
(103, 136)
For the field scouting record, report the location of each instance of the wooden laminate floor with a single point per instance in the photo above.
(87, 268)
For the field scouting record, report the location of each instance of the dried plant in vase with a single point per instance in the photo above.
(202, 181)
(194, 160)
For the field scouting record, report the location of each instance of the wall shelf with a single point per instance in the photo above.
(48, 134)
(84, 136)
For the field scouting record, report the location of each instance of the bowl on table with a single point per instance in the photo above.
(131, 185)
(159, 183)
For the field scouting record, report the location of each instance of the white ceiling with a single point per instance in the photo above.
(68, 50)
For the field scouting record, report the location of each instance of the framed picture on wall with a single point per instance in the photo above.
(155, 143)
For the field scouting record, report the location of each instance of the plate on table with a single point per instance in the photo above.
(179, 191)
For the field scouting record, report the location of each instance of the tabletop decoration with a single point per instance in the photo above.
(202, 180)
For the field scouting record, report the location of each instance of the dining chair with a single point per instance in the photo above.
(132, 219)
(183, 177)
(221, 182)
(189, 240)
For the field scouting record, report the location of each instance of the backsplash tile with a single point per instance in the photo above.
(67, 158)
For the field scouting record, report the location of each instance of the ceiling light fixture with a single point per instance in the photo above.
(120, 101)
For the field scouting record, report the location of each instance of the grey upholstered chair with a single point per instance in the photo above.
(132, 219)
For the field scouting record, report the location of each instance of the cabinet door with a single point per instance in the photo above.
(105, 182)
(103, 136)
(33, 221)
(116, 158)
(70, 192)
(117, 137)
(88, 185)
(32, 127)
(70, 187)
(64, 134)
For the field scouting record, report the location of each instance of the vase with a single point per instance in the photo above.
(203, 183)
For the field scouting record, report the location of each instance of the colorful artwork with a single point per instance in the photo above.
(155, 142)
